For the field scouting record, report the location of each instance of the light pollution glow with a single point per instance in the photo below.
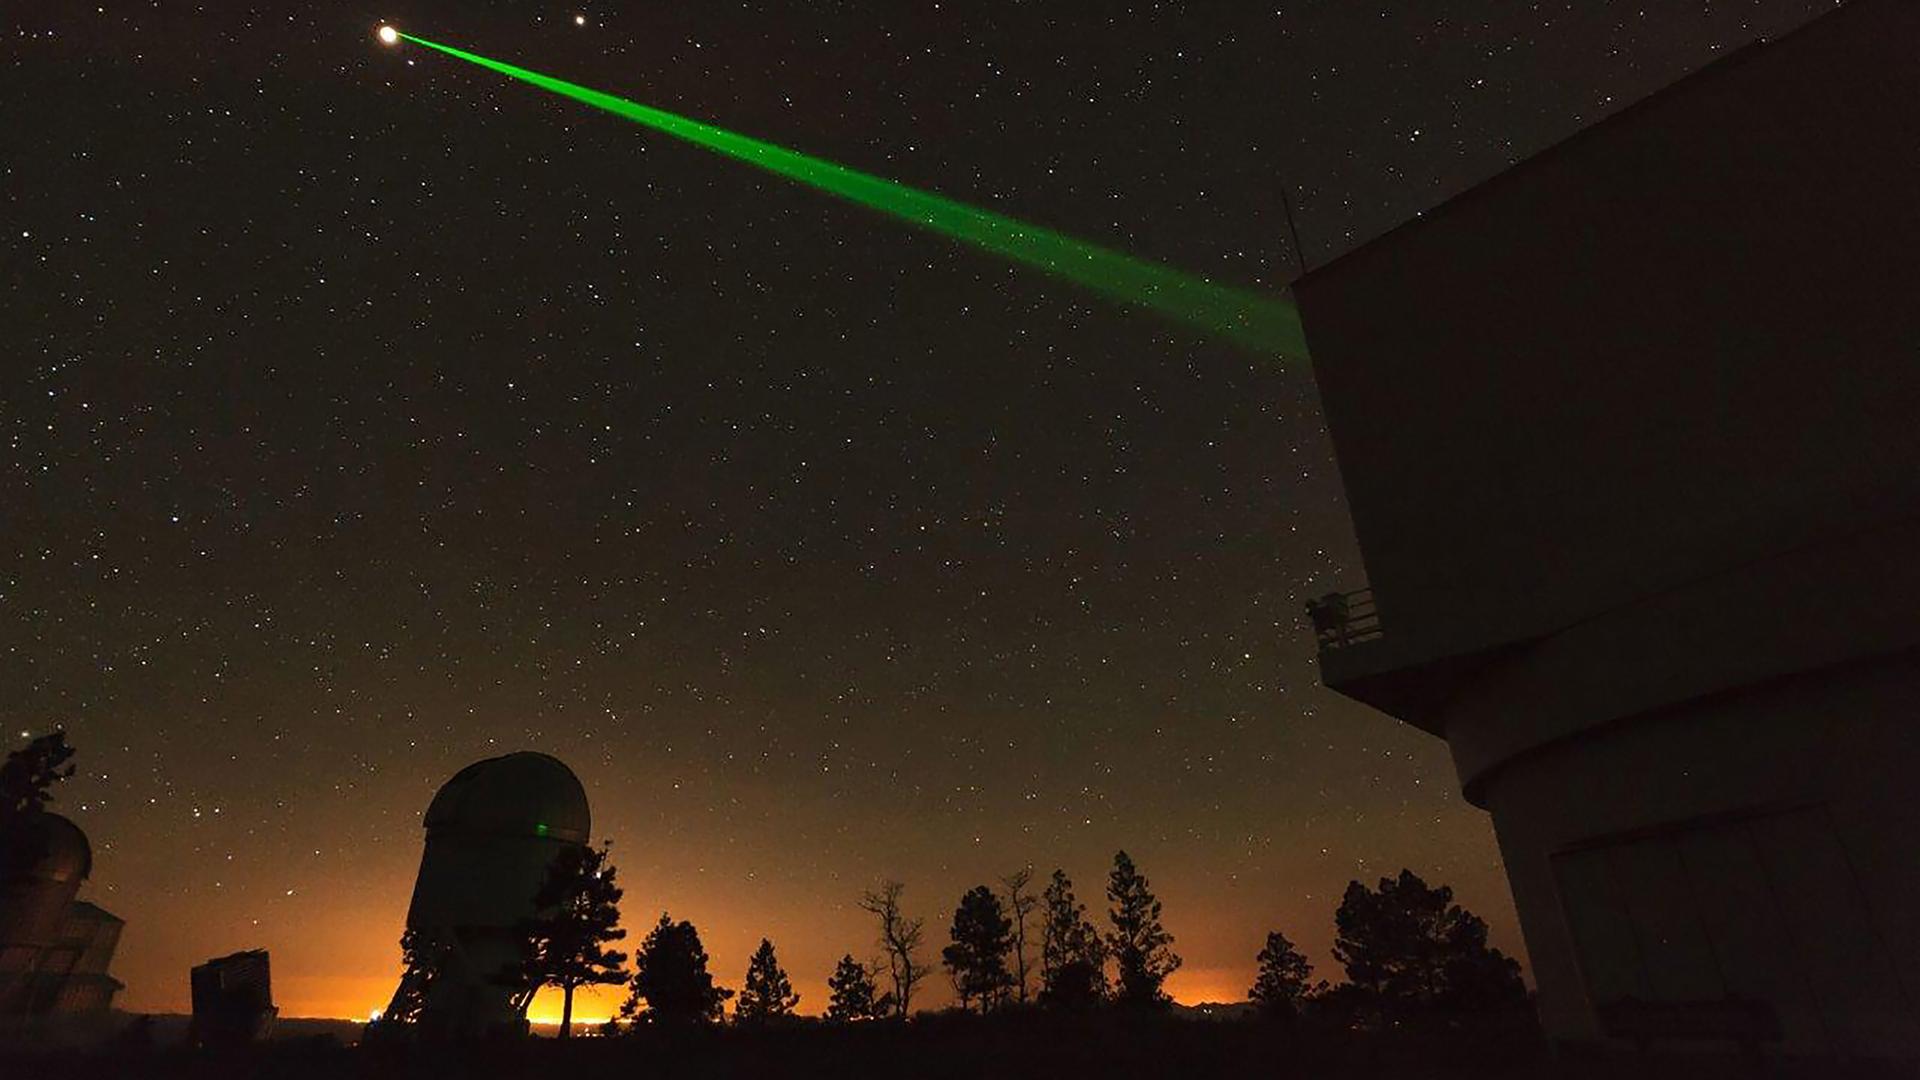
(340, 961)
(361, 998)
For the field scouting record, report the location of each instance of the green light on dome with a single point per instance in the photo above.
(540, 829)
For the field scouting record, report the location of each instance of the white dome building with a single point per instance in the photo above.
(492, 832)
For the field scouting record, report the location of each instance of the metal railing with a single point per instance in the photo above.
(1342, 619)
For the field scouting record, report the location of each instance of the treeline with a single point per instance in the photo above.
(1405, 947)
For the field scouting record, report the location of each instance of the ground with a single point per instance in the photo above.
(948, 1047)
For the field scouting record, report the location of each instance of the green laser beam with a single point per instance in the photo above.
(1265, 322)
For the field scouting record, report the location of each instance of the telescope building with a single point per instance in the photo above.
(1631, 438)
(54, 948)
(492, 832)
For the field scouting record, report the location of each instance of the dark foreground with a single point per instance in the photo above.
(1104, 1047)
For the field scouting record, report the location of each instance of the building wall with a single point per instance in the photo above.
(1681, 341)
(101, 938)
(82, 995)
(1631, 437)
(1755, 845)
(32, 914)
(480, 880)
(1816, 607)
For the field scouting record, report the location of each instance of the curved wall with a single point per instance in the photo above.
(1753, 846)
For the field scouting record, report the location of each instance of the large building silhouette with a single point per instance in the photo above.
(54, 947)
(232, 999)
(492, 832)
(1631, 437)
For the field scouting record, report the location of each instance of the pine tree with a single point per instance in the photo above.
(854, 995)
(27, 779)
(579, 912)
(671, 984)
(1281, 983)
(1408, 947)
(977, 959)
(767, 995)
(1138, 943)
(421, 961)
(1072, 956)
(29, 773)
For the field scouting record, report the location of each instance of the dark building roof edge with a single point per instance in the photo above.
(1714, 68)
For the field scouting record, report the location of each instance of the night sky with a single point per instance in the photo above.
(365, 414)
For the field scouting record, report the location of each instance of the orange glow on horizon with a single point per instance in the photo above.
(1217, 985)
(346, 969)
(592, 1005)
(359, 997)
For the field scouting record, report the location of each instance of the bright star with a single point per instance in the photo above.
(389, 36)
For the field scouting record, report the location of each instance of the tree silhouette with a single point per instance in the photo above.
(900, 939)
(421, 960)
(1281, 983)
(27, 778)
(977, 958)
(767, 995)
(853, 993)
(670, 978)
(1407, 947)
(1020, 904)
(29, 773)
(578, 908)
(1138, 943)
(1072, 957)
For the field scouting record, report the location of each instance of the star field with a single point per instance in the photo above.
(366, 414)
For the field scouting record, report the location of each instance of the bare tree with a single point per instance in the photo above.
(899, 940)
(1020, 904)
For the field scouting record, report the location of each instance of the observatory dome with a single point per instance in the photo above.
(66, 855)
(520, 794)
